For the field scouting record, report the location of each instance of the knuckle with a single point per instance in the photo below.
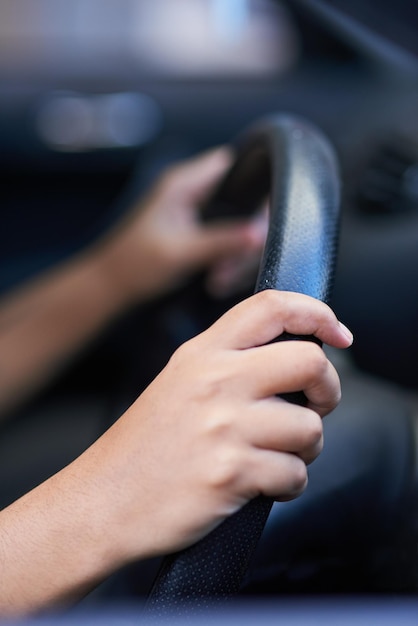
(313, 430)
(268, 298)
(336, 399)
(219, 426)
(295, 482)
(209, 379)
(313, 452)
(299, 477)
(225, 470)
(185, 352)
(316, 360)
(331, 404)
(176, 359)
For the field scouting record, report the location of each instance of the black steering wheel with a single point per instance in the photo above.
(289, 159)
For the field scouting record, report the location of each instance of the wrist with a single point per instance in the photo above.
(108, 511)
(114, 264)
(110, 277)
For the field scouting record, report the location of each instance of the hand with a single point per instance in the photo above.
(205, 437)
(238, 272)
(209, 433)
(162, 241)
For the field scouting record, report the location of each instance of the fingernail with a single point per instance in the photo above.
(346, 332)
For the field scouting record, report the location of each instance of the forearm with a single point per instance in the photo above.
(56, 542)
(44, 324)
(153, 249)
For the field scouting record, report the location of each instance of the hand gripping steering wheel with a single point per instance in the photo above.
(288, 157)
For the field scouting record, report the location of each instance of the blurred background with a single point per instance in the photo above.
(98, 96)
(96, 93)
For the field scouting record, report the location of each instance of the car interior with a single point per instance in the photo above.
(97, 98)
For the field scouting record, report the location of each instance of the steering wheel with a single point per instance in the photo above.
(288, 157)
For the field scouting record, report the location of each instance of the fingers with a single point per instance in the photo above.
(282, 443)
(215, 244)
(256, 371)
(234, 272)
(232, 275)
(290, 366)
(192, 179)
(284, 427)
(248, 471)
(282, 476)
(266, 315)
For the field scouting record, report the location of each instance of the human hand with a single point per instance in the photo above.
(237, 272)
(210, 433)
(162, 241)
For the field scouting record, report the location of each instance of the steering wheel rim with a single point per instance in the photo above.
(292, 158)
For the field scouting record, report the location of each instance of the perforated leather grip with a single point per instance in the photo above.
(288, 158)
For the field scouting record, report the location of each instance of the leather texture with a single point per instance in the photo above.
(289, 159)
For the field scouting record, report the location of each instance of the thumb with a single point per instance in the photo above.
(192, 180)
